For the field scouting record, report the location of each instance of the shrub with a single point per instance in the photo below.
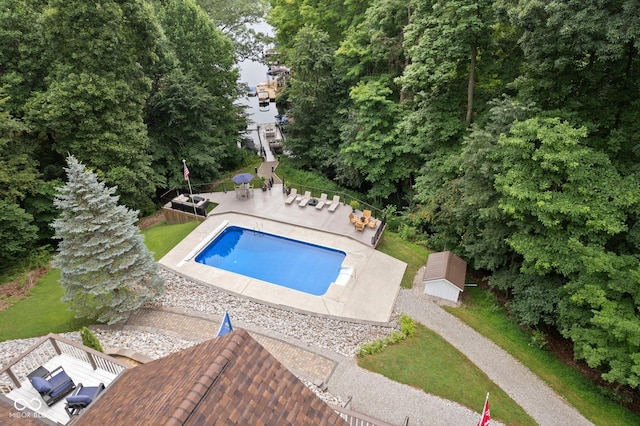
(538, 339)
(407, 325)
(407, 329)
(90, 340)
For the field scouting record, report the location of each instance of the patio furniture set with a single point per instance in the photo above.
(318, 203)
(364, 221)
(56, 384)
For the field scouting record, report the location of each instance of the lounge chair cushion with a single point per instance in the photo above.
(60, 384)
(41, 385)
(82, 398)
(79, 400)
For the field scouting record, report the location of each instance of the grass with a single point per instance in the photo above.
(482, 313)
(413, 255)
(42, 312)
(426, 361)
(226, 182)
(161, 238)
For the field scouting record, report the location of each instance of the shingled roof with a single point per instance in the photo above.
(229, 380)
(19, 415)
(446, 265)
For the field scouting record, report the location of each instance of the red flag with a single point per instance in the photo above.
(486, 415)
(186, 172)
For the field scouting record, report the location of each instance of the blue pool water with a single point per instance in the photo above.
(278, 260)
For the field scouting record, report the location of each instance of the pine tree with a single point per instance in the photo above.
(107, 271)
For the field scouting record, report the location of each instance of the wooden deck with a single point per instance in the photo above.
(79, 371)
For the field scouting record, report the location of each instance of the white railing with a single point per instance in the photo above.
(48, 348)
(357, 419)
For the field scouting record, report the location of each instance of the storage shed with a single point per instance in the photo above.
(444, 275)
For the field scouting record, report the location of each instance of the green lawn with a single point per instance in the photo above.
(161, 238)
(42, 312)
(426, 361)
(414, 255)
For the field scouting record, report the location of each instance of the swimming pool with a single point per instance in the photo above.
(278, 260)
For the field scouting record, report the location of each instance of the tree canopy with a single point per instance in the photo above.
(508, 131)
(127, 87)
(505, 131)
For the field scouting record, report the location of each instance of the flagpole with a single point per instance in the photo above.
(486, 415)
(186, 175)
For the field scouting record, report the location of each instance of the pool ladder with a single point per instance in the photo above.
(258, 229)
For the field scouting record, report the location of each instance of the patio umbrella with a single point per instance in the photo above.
(242, 178)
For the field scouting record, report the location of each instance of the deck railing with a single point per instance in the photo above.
(48, 348)
(357, 419)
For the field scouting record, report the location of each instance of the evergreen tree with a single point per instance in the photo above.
(106, 269)
(90, 340)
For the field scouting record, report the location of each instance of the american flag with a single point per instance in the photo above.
(186, 172)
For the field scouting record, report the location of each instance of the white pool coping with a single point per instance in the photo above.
(365, 293)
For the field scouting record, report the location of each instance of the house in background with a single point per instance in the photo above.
(444, 276)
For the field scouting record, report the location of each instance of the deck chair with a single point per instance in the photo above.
(81, 398)
(321, 201)
(366, 214)
(334, 203)
(53, 386)
(352, 218)
(372, 223)
(305, 199)
(359, 225)
(292, 196)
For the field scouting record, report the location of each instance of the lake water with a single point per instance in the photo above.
(252, 73)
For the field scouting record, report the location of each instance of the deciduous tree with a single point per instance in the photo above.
(96, 86)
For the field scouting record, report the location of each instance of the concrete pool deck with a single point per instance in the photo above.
(368, 295)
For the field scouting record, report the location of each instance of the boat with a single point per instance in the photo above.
(263, 97)
(278, 70)
(273, 86)
(273, 136)
(269, 53)
(252, 91)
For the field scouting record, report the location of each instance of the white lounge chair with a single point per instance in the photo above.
(321, 201)
(334, 203)
(292, 196)
(305, 199)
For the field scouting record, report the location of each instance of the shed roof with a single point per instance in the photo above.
(448, 266)
(229, 380)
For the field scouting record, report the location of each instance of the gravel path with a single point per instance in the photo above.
(532, 394)
(384, 399)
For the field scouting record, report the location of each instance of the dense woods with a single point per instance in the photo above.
(507, 131)
(129, 88)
